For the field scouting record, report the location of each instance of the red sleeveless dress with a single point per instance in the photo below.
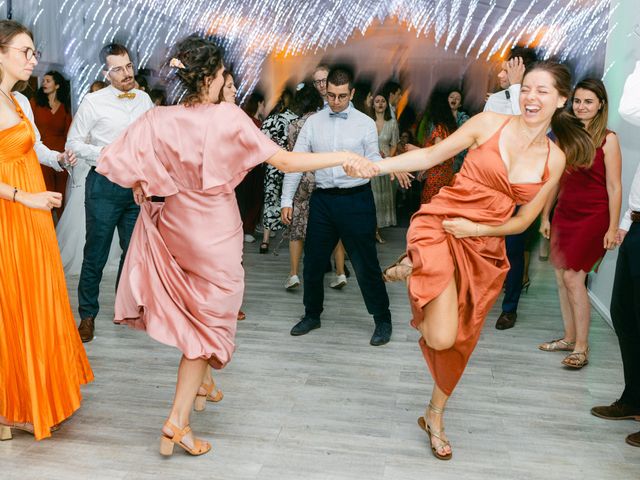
(482, 193)
(581, 217)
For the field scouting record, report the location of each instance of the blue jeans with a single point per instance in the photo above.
(107, 206)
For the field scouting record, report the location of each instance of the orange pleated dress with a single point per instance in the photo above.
(482, 193)
(42, 360)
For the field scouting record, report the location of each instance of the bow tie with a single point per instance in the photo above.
(127, 95)
(342, 115)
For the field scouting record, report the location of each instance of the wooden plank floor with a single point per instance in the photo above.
(328, 406)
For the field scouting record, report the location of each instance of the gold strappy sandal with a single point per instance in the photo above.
(213, 395)
(577, 360)
(559, 345)
(398, 271)
(424, 425)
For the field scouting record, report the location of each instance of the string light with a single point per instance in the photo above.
(254, 29)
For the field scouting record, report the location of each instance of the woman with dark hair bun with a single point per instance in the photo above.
(52, 114)
(183, 281)
(585, 221)
(456, 261)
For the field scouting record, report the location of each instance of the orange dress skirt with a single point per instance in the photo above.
(482, 193)
(42, 360)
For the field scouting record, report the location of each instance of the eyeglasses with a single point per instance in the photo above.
(29, 52)
(120, 70)
(341, 98)
(319, 82)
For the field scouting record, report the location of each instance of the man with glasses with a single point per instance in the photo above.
(320, 80)
(101, 118)
(341, 207)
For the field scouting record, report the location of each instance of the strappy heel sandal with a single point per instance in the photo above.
(559, 345)
(398, 271)
(577, 360)
(212, 395)
(424, 425)
(200, 447)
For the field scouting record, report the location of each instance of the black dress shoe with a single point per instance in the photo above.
(506, 320)
(617, 411)
(305, 325)
(381, 335)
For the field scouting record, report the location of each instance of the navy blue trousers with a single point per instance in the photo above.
(625, 312)
(352, 218)
(513, 284)
(107, 206)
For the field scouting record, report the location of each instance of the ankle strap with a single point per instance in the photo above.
(436, 410)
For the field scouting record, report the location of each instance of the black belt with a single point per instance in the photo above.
(345, 191)
(635, 217)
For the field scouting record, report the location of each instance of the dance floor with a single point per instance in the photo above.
(328, 406)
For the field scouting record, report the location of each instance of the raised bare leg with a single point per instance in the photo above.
(439, 326)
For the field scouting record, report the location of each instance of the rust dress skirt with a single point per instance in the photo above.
(42, 360)
(482, 193)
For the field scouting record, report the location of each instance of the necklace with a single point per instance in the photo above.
(5, 94)
(528, 141)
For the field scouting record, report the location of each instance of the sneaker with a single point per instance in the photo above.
(339, 282)
(249, 238)
(292, 282)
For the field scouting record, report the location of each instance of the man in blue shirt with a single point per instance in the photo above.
(341, 207)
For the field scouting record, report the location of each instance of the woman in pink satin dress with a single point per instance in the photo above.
(182, 280)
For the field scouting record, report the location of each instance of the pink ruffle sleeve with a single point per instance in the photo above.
(132, 158)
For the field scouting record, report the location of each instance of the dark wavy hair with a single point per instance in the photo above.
(387, 111)
(202, 59)
(63, 93)
(439, 111)
(573, 139)
(306, 100)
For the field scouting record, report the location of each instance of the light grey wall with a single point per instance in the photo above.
(623, 50)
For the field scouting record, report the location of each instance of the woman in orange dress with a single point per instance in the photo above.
(456, 260)
(42, 361)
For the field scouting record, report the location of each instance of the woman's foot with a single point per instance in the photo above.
(379, 238)
(577, 359)
(207, 392)
(399, 271)
(433, 424)
(559, 345)
(264, 247)
(183, 437)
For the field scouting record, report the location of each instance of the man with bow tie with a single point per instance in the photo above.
(101, 118)
(341, 207)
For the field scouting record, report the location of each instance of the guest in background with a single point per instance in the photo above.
(276, 127)
(585, 221)
(392, 91)
(158, 97)
(625, 297)
(283, 102)
(250, 192)
(97, 85)
(52, 114)
(319, 77)
(306, 102)
(228, 92)
(141, 82)
(442, 123)
(382, 187)
(363, 97)
(455, 102)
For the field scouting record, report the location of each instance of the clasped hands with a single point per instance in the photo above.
(360, 167)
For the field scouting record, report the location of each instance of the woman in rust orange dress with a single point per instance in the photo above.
(42, 361)
(52, 114)
(456, 261)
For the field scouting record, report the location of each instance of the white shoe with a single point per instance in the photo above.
(339, 282)
(292, 282)
(249, 238)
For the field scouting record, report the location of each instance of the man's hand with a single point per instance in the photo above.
(404, 178)
(138, 194)
(515, 71)
(620, 234)
(67, 159)
(360, 167)
(286, 215)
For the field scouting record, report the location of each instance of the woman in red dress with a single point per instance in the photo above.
(52, 114)
(585, 222)
(442, 124)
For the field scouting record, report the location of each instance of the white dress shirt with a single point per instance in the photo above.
(323, 133)
(499, 102)
(101, 118)
(46, 156)
(630, 111)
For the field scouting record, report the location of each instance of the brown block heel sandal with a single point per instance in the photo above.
(212, 395)
(167, 443)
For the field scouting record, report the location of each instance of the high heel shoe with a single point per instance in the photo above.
(212, 395)
(200, 447)
(525, 286)
(399, 270)
(424, 425)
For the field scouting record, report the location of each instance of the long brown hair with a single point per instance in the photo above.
(573, 139)
(597, 127)
(8, 30)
